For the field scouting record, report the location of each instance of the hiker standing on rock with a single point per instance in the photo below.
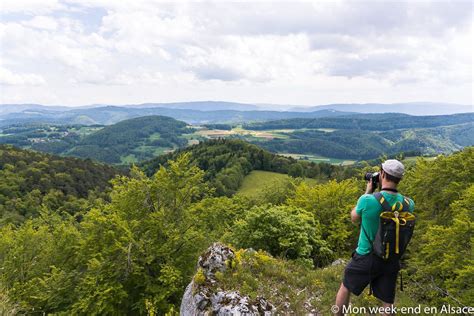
(386, 226)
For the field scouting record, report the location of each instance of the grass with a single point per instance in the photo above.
(411, 161)
(154, 136)
(152, 151)
(258, 181)
(85, 130)
(318, 158)
(129, 159)
(327, 130)
(414, 158)
(291, 287)
(238, 131)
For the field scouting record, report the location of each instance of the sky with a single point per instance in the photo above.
(78, 52)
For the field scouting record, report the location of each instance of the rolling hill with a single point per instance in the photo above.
(369, 136)
(412, 108)
(258, 183)
(372, 122)
(34, 182)
(132, 140)
(227, 162)
(128, 141)
(106, 115)
(200, 105)
(337, 139)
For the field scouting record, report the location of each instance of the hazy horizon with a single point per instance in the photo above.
(257, 104)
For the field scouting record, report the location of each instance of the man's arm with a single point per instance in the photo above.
(356, 215)
(355, 218)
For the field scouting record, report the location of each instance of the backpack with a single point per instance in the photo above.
(395, 230)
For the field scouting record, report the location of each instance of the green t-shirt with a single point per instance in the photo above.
(369, 208)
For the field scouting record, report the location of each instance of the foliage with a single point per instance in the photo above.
(369, 136)
(365, 144)
(7, 307)
(267, 187)
(293, 288)
(128, 256)
(150, 238)
(441, 258)
(435, 184)
(138, 138)
(134, 250)
(374, 122)
(32, 180)
(227, 162)
(449, 250)
(335, 135)
(37, 262)
(330, 205)
(215, 216)
(125, 138)
(282, 231)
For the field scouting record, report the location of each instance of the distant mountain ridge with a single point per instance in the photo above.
(201, 106)
(412, 108)
(107, 115)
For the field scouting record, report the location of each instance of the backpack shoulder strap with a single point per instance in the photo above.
(406, 204)
(385, 206)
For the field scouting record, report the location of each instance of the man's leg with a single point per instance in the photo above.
(357, 276)
(387, 308)
(342, 299)
(384, 285)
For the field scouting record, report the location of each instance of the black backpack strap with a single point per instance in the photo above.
(385, 206)
(366, 235)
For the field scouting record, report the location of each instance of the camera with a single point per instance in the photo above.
(374, 176)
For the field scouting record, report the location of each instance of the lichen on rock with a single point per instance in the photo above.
(204, 297)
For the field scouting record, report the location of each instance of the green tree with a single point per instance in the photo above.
(282, 231)
(142, 246)
(38, 261)
(296, 170)
(330, 205)
(444, 260)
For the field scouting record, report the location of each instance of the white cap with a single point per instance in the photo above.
(394, 168)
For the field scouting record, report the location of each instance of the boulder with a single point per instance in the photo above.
(206, 298)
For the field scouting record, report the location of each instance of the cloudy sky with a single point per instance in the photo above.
(76, 52)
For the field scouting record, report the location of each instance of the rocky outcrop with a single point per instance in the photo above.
(204, 297)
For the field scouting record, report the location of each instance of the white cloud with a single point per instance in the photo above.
(9, 78)
(29, 6)
(253, 51)
(42, 22)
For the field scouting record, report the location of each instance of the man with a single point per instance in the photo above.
(366, 268)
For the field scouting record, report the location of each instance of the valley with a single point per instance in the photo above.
(114, 207)
(341, 140)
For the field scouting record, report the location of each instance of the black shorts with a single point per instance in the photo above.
(382, 276)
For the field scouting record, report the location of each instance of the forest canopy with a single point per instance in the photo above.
(135, 251)
(32, 181)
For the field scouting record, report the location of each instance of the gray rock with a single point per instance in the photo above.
(338, 262)
(215, 259)
(202, 300)
(187, 303)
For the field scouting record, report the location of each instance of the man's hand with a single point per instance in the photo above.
(370, 187)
